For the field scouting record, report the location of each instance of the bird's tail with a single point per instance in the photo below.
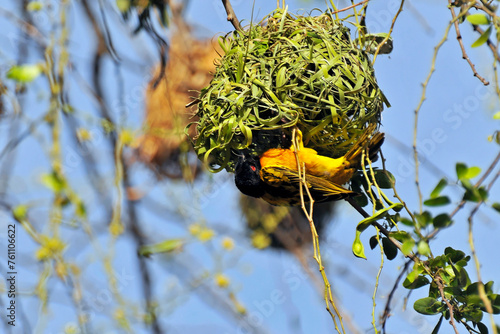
(369, 141)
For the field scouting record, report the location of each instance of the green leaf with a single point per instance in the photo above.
(418, 268)
(20, 211)
(427, 306)
(461, 169)
(372, 41)
(496, 206)
(437, 201)
(357, 247)
(418, 282)
(463, 262)
(373, 242)
(53, 182)
(453, 255)
(423, 219)
(423, 248)
(34, 6)
(439, 187)
(361, 200)
(495, 303)
(441, 221)
(483, 38)
(488, 287)
(434, 291)
(462, 277)
(384, 181)
(400, 236)
(472, 193)
(478, 19)
(406, 221)
(473, 290)
(446, 275)
(482, 328)
(394, 219)
(390, 250)
(24, 73)
(166, 246)
(407, 246)
(363, 225)
(483, 193)
(454, 292)
(474, 315)
(472, 172)
(437, 262)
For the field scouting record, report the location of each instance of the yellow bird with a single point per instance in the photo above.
(274, 176)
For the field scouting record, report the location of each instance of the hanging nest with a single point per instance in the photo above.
(287, 71)
(164, 146)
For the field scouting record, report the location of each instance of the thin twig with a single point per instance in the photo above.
(485, 7)
(107, 34)
(387, 308)
(439, 283)
(28, 28)
(422, 99)
(460, 42)
(231, 15)
(377, 281)
(481, 290)
(393, 184)
(135, 228)
(18, 105)
(488, 171)
(349, 7)
(317, 254)
(382, 43)
(417, 110)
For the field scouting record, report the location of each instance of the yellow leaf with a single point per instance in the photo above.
(206, 234)
(227, 243)
(222, 280)
(260, 240)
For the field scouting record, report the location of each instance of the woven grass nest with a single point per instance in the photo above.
(287, 71)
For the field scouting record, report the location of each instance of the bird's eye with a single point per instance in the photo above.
(253, 168)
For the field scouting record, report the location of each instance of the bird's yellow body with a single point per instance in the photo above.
(338, 171)
(279, 182)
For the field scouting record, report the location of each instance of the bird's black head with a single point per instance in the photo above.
(247, 176)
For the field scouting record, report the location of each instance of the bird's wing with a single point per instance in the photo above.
(353, 156)
(288, 180)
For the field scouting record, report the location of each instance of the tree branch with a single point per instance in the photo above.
(231, 15)
(439, 283)
(464, 54)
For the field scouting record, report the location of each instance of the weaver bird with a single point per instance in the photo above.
(274, 176)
